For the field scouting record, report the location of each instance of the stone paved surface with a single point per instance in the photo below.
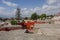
(42, 32)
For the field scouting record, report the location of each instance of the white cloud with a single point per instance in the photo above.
(51, 9)
(26, 12)
(51, 1)
(44, 6)
(36, 9)
(24, 8)
(48, 9)
(9, 3)
(6, 13)
(1, 9)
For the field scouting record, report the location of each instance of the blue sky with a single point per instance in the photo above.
(8, 7)
(26, 3)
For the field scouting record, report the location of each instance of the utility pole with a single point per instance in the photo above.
(18, 14)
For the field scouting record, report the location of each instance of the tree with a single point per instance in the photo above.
(18, 14)
(0, 18)
(50, 16)
(43, 16)
(26, 18)
(34, 16)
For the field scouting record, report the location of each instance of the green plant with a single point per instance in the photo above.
(43, 16)
(34, 16)
(13, 22)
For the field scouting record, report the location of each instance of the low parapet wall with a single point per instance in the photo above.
(12, 27)
(57, 22)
